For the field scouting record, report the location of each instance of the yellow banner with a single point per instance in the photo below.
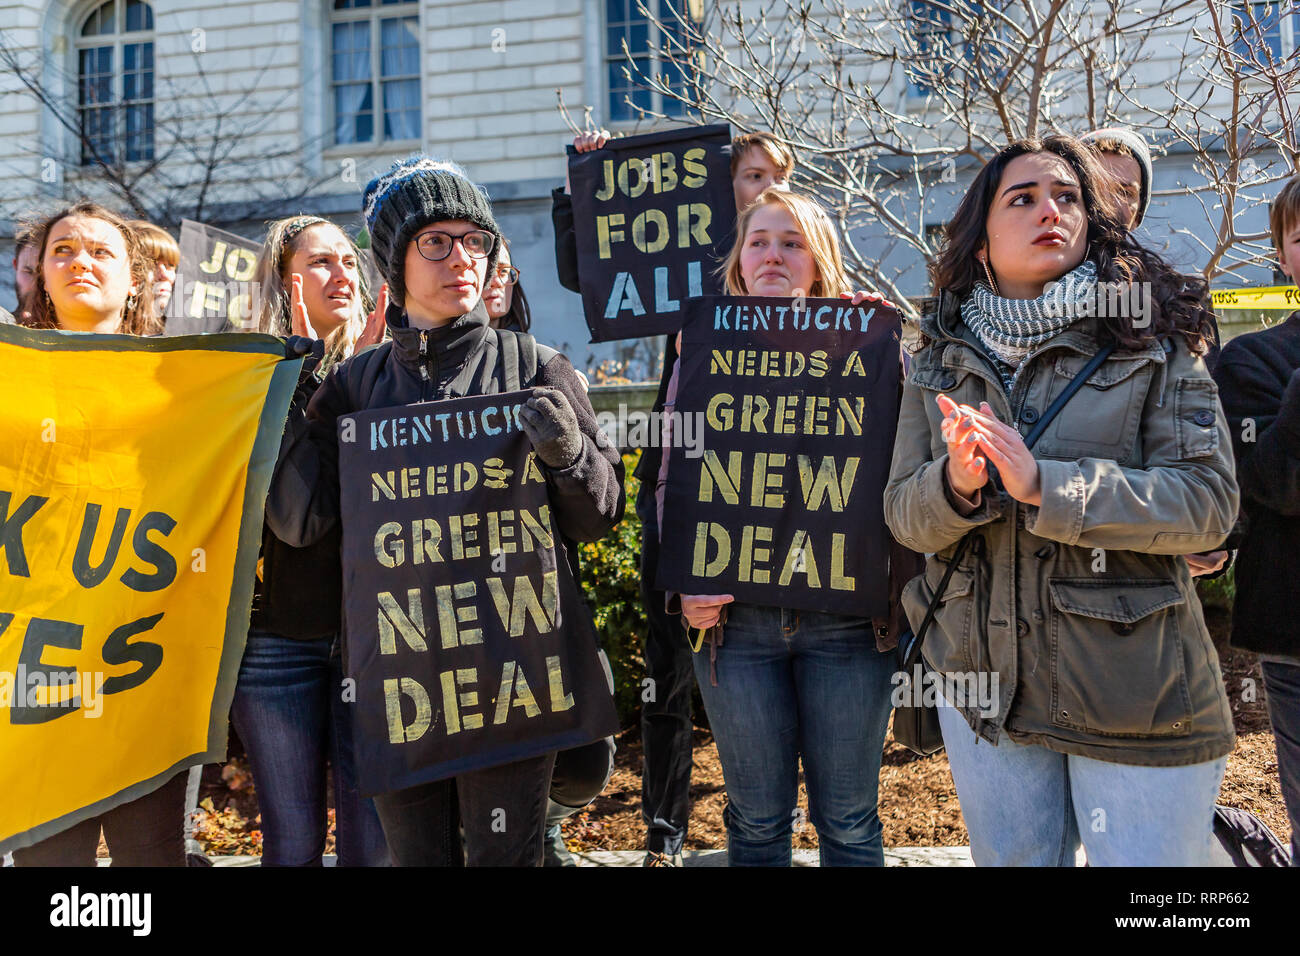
(1270, 297)
(133, 476)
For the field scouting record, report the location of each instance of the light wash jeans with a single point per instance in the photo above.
(1030, 806)
(798, 685)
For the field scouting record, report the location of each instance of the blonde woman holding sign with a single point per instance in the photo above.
(783, 685)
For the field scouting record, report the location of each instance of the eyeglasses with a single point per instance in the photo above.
(508, 274)
(436, 246)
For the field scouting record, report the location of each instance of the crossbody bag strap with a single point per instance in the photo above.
(913, 653)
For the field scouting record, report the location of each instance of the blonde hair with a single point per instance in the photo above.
(273, 307)
(818, 231)
(773, 148)
(157, 242)
(1284, 214)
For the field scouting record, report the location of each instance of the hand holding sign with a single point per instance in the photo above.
(551, 426)
(702, 610)
(863, 296)
(376, 324)
(299, 324)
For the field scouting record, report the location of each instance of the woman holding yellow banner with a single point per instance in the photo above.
(94, 276)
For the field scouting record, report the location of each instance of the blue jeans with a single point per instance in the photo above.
(1030, 806)
(290, 714)
(1282, 688)
(791, 685)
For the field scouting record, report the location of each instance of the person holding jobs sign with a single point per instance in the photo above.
(758, 160)
(774, 538)
(467, 456)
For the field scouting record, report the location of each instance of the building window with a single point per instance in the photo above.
(115, 83)
(954, 51)
(1276, 29)
(626, 24)
(375, 70)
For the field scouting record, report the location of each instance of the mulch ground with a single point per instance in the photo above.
(918, 802)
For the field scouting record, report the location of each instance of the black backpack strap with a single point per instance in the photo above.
(508, 357)
(520, 356)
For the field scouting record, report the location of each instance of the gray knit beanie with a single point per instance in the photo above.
(1138, 147)
(413, 193)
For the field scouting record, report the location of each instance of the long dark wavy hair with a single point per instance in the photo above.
(1180, 302)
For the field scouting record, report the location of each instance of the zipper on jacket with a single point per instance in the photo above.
(424, 369)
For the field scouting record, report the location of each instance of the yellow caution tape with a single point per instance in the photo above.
(1270, 297)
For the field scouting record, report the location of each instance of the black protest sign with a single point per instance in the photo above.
(465, 633)
(215, 288)
(780, 503)
(651, 216)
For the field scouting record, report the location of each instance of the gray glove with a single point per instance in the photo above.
(552, 427)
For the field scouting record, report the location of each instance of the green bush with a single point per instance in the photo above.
(611, 576)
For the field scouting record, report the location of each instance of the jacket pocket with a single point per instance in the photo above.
(1102, 421)
(1196, 407)
(1117, 658)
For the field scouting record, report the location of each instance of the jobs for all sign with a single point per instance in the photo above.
(651, 216)
(215, 287)
(784, 507)
(465, 634)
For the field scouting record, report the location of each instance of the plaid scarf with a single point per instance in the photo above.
(1012, 328)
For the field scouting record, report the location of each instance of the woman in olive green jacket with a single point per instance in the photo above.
(1070, 637)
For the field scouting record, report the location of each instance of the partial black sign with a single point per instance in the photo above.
(215, 288)
(651, 216)
(781, 503)
(466, 636)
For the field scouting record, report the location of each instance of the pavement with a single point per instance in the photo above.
(897, 856)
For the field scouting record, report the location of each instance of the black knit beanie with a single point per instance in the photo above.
(412, 194)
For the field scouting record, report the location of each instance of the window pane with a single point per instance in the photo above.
(350, 4)
(97, 128)
(620, 90)
(351, 51)
(139, 132)
(399, 43)
(137, 72)
(95, 75)
(1265, 35)
(139, 16)
(616, 11)
(354, 120)
(402, 109)
(102, 20)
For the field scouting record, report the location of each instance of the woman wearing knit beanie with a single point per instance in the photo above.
(435, 242)
(1056, 579)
